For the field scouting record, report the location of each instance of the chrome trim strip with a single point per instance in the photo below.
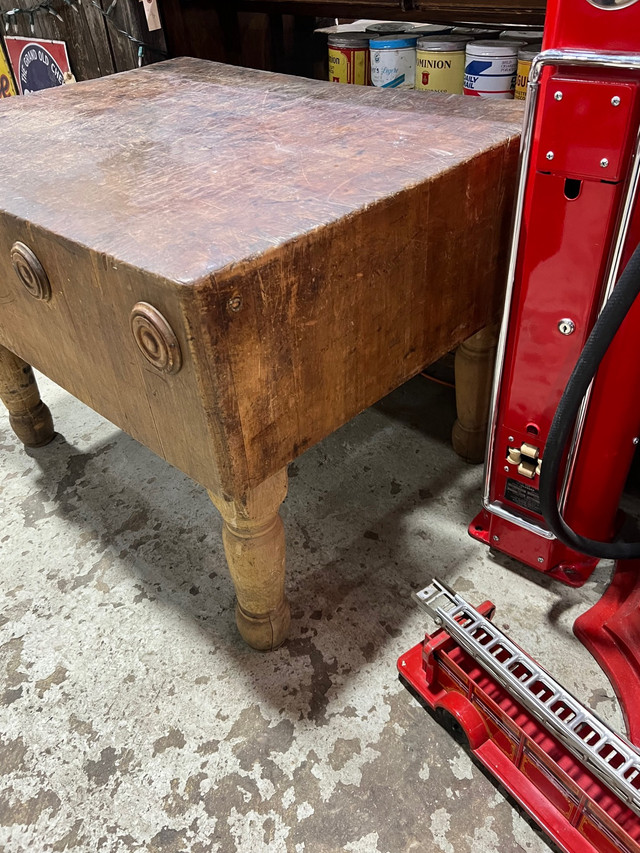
(525, 154)
(531, 526)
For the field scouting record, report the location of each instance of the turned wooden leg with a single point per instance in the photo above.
(253, 537)
(474, 374)
(30, 419)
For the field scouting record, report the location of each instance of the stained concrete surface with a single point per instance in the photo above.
(132, 716)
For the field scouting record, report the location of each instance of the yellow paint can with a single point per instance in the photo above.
(525, 58)
(440, 63)
(349, 58)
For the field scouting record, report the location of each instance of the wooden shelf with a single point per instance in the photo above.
(481, 11)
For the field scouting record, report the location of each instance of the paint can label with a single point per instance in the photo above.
(440, 71)
(349, 65)
(393, 68)
(522, 78)
(490, 77)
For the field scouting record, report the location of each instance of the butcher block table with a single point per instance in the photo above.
(230, 264)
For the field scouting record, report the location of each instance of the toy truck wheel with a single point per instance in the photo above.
(462, 720)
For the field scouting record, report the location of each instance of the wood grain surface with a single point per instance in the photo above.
(310, 245)
(186, 167)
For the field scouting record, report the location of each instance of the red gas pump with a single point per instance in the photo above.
(576, 227)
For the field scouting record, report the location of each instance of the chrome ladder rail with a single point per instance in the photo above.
(607, 755)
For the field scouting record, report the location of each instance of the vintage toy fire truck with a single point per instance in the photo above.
(576, 777)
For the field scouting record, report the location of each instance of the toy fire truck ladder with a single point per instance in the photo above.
(608, 756)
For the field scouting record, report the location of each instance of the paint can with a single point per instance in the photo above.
(475, 32)
(388, 28)
(518, 43)
(440, 64)
(529, 36)
(490, 68)
(349, 58)
(393, 61)
(421, 30)
(526, 56)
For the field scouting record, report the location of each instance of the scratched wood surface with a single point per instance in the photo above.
(312, 245)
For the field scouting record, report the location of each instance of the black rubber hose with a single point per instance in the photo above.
(615, 310)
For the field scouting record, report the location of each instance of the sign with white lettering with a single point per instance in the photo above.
(37, 63)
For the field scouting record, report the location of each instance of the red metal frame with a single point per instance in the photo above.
(572, 207)
(611, 632)
(577, 223)
(568, 802)
(577, 214)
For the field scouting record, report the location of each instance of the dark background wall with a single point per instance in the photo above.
(275, 35)
(95, 47)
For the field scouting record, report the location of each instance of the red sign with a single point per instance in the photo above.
(37, 63)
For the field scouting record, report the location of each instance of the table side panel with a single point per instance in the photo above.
(312, 333)
(82, 340)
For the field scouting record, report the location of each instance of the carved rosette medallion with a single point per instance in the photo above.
(155, 338)
(30, 272)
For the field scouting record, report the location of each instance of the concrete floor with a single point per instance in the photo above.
(134, 719)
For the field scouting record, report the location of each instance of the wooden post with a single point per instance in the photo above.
(30, 419)
(474, 375)
(254, 543)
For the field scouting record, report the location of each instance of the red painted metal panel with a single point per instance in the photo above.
(583, 133)
(595, 112)
(580, 25)
(585, 129)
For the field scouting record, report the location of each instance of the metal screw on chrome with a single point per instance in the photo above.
(558, 96)
(615, 101)
(604, 162)
(566, 326)
(550, 155)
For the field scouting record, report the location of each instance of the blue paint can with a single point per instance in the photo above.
(393, 61)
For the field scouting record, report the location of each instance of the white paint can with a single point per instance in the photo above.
(393, 61)
(490, 68)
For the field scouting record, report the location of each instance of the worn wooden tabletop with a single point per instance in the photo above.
(337, 239)
(186, 167)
